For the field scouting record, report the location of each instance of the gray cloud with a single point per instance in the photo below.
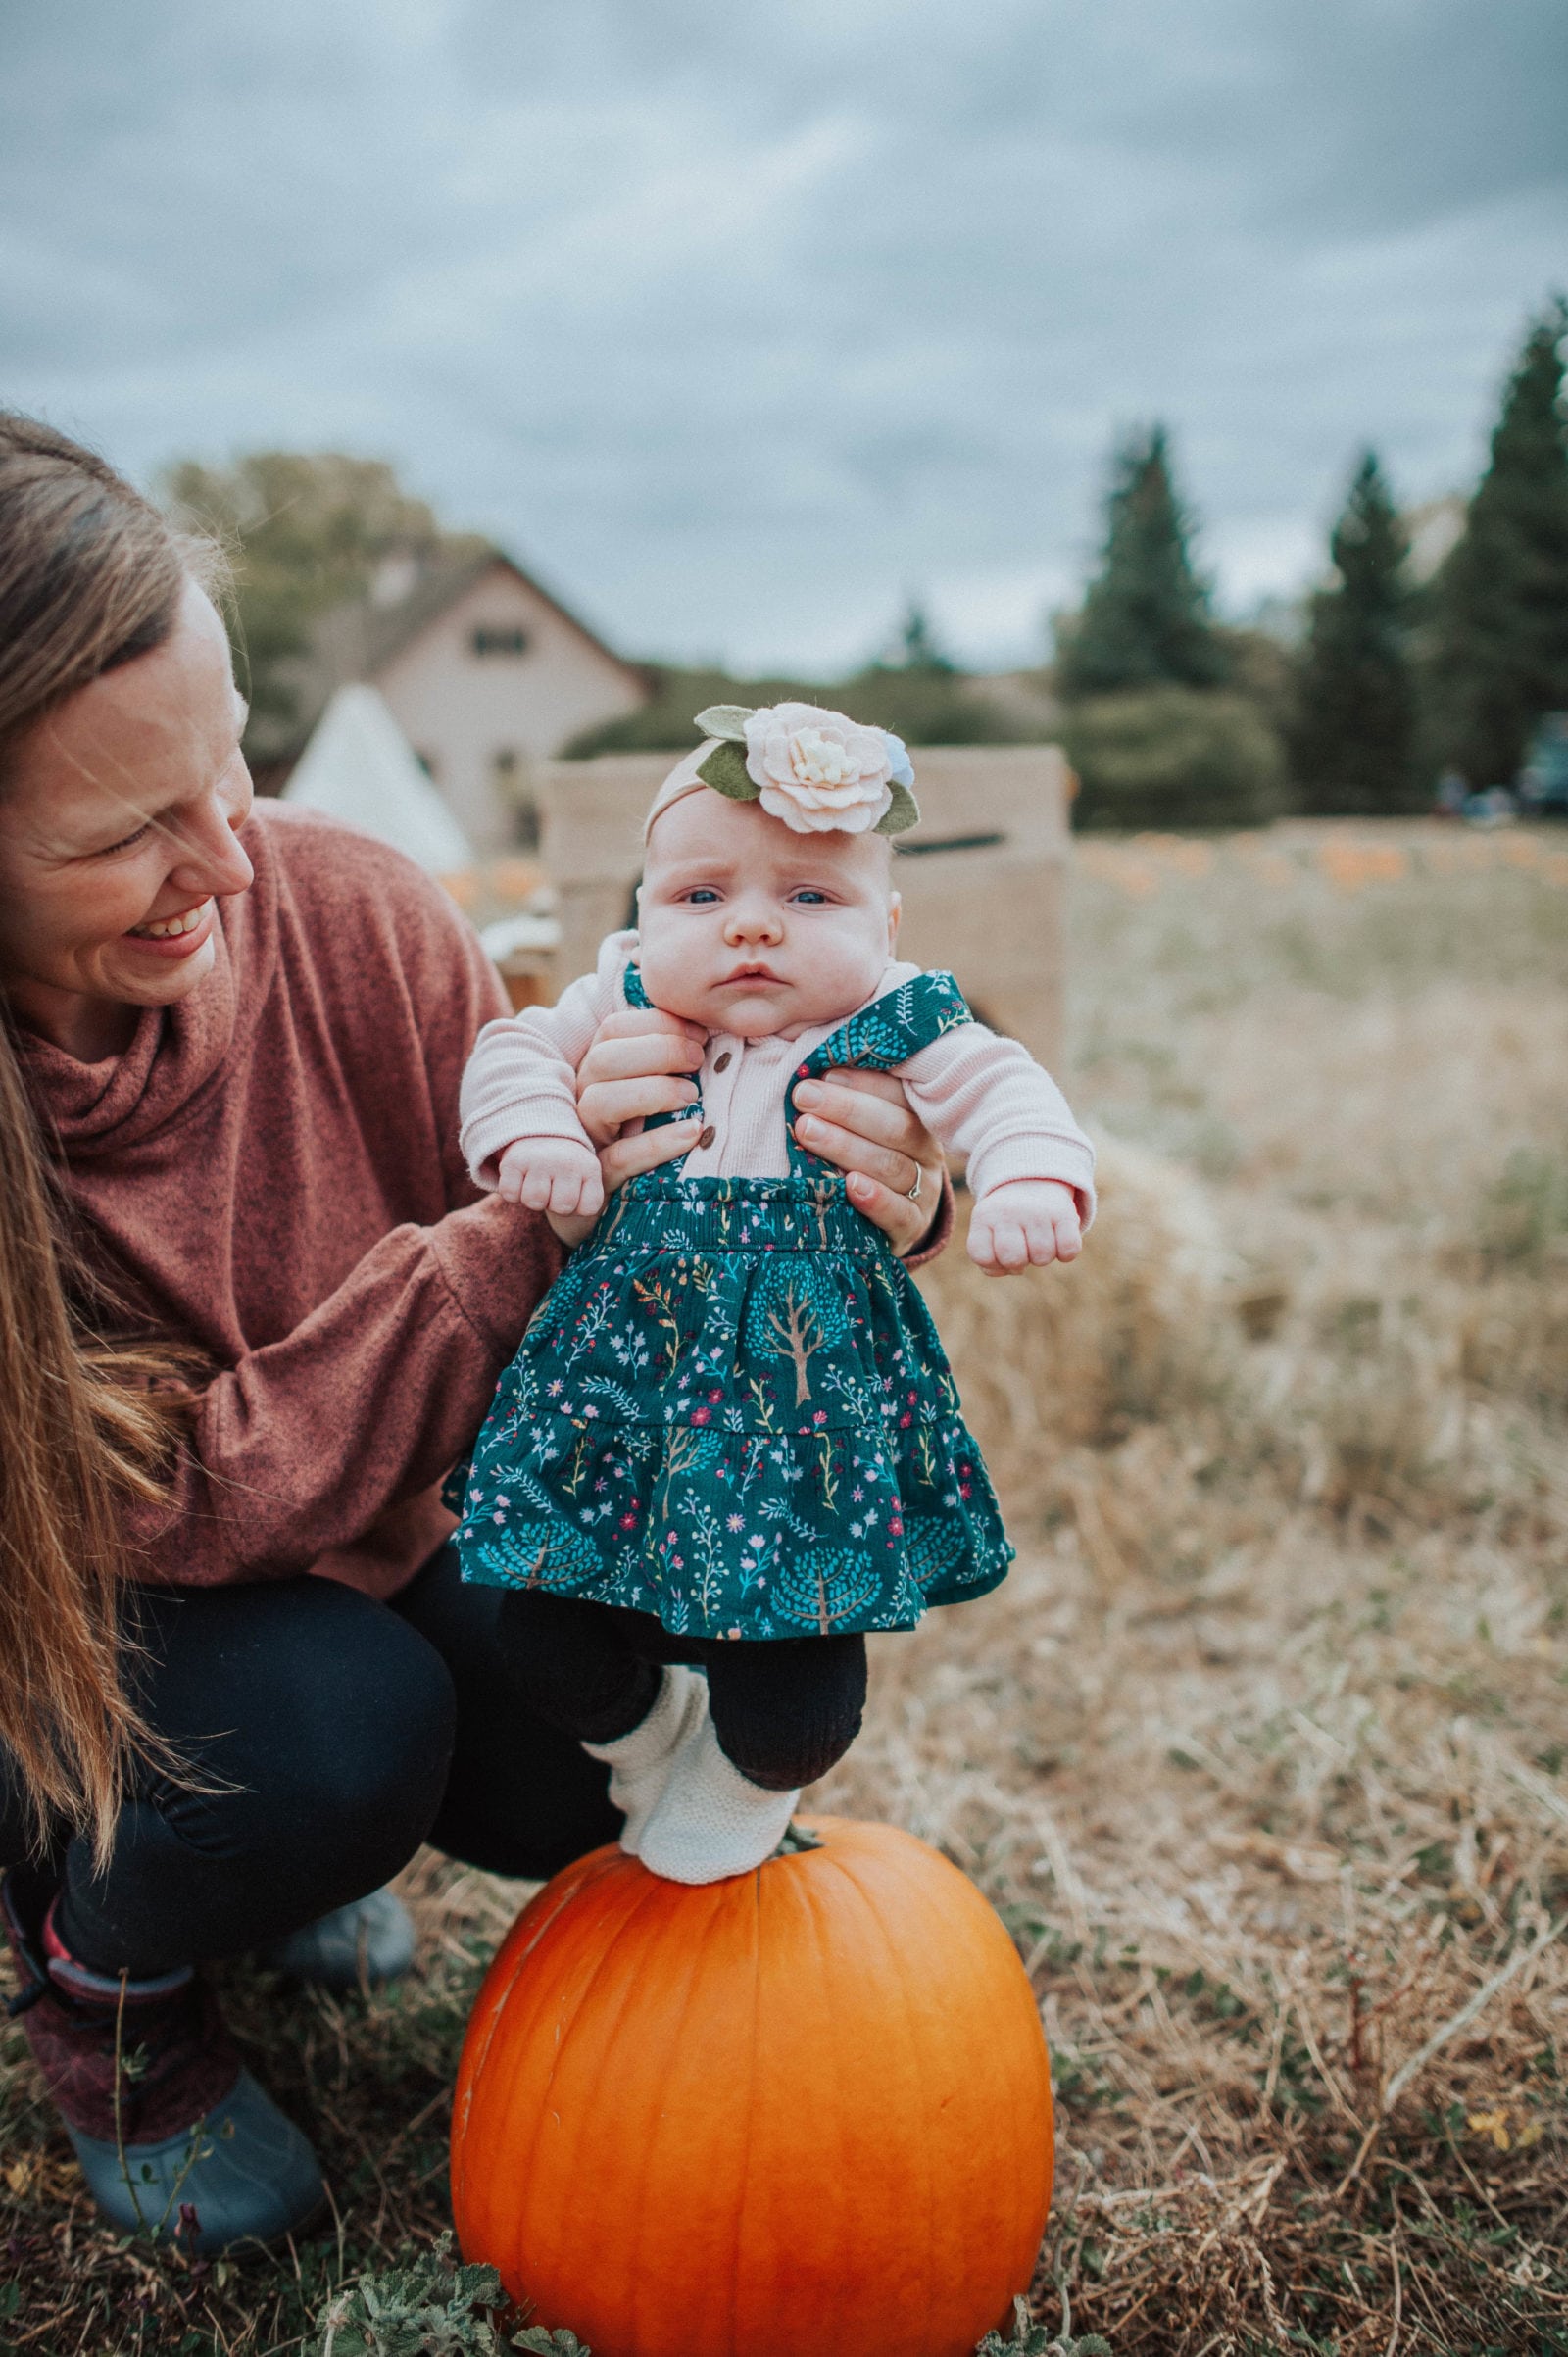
(740, 323)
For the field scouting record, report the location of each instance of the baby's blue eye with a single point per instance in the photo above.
(703, 892)
(811, 900)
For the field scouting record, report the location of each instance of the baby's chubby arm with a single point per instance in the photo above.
(521, 1132)
(1031, 1168)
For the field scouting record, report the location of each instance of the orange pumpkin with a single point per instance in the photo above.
(805, 2109)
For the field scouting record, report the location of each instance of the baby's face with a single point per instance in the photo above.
(749, 928)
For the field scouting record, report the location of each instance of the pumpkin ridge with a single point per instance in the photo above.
(509, 2098)
(677, 1933)
(642, 1895)
(890, 1980)
(897, 1978)
(1024, 2157)
(494, 1999)
(1022, 2160)
(742, 2200)
(814, 1911)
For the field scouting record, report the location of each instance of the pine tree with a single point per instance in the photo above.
(1352, 735)
(918, 647)
(1500, 653)
(1145, 621)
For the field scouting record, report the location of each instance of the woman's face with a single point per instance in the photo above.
(119, 824)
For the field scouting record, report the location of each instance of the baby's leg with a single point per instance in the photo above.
(572, 1665)
(785, 1711)
(782, 1713)
(580, 1669)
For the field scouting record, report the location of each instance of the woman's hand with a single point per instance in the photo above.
(861, 1121)
(643, 1062)
(639, 1062)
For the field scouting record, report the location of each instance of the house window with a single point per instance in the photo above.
(499, 638)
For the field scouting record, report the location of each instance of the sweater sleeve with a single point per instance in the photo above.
(276, 1473)
(303, 1444)
(521, 1079)
(986, 1098)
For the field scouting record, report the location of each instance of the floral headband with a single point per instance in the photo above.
(816, 769)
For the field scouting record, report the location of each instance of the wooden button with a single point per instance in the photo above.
(708, 1137)
(721, 1064)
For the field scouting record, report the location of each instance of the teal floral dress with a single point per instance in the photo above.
(732, 1410)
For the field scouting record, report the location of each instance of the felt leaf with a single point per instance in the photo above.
(901, 812)
(726, 772)
(725, 720)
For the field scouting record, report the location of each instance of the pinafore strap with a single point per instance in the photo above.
(882, 1036)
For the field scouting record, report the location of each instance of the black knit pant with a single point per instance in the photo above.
(783, 1710)
(341, 1733)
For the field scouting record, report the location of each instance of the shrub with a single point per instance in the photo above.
(924, 706)
(1172, 757)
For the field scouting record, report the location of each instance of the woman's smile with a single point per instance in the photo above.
(178, 935)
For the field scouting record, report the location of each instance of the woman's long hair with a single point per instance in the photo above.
(90, 577)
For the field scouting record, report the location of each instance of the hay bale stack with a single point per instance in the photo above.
(1075, 1356)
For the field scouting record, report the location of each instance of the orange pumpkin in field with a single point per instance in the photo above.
(807, 2109)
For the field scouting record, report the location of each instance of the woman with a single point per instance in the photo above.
(251, 1311)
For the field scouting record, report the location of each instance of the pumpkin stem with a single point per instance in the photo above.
(797, 1836)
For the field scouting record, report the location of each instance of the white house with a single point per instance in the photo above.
(485, 674)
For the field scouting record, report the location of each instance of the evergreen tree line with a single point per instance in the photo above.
(1168, 717)
(1393, 684)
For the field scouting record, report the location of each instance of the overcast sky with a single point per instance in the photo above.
(738, 322)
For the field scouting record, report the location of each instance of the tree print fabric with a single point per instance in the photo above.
(732, 1409)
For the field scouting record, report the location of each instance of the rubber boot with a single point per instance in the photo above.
(175, 2139)
(370, 1939)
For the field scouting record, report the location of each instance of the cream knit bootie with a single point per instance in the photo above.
(712, 1821)
(640, 1762)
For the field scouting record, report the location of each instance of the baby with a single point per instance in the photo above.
(730, 1437)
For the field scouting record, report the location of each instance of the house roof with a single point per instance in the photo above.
(361, 639)
(391, 628)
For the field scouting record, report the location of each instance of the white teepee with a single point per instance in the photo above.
(359, 768)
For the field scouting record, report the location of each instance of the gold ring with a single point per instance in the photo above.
(913, 1193)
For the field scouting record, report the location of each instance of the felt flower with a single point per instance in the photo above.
(817, 770)
(901, 769)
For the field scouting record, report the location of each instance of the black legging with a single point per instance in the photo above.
(347, 1732)
(783, 1710)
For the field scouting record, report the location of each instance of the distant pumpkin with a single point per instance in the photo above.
(805, 2109)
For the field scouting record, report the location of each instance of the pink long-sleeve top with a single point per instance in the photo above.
(983, 1097)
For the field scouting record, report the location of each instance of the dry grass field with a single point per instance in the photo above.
(1264, 1748)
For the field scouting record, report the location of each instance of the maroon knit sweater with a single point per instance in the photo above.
(272, 1173)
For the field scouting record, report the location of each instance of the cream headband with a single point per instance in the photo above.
(817, 770)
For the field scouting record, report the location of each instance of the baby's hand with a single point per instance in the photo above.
(1024, 1223)
(552, 1174)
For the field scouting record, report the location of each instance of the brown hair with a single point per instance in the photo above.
(90, 578)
